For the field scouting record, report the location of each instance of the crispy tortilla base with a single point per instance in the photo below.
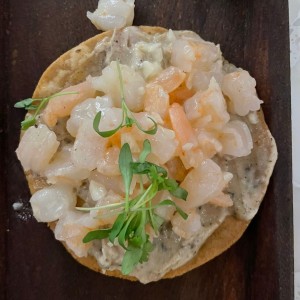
(73, 67)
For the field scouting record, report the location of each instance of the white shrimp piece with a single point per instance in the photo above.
(107, 216)
(183, 55)
(61, 106)
(236, 139)
(208, 143)
(62, 169)
(72, 228)
(52, 202)
(36, 148)
(86, 110)
(170, 79)
(109, 83)
(222, 200)
(191, 155)
(97, 190)
(114, 183)
(181, 125)
(112, 14)
(166, 212)
(164, 144)
(202, 183)
(200, 76)
(210, 103)
(108, 163)
(156, 100)
(239, 86)
(189, 227)
(88, 146)
(129, 138)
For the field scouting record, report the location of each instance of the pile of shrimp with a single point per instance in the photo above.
(197, 107)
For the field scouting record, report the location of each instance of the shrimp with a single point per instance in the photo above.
(183, 55)
(134, 86)
(86, 110)
(210, 105)
(62, 169)
(61, 106)
(51, 203)
(164, 144)
(222, 200)
(187, 228)
(112, 14)
(239, 86)
(72, 228)
(37, 147)
(170, 79)
(107, 216)
(190, 155)
(88, 146)
(203, 184)
(156, 100)
(108, 163)
(236, 139)
(181, 125)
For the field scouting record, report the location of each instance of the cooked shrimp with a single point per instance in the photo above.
(183, 55)
(72, 228)
(106, 216)
(164, 144)
(165, 212)
(210, 103)
(203, 184)
(36, 148)
(61, 106)
(97, 190)
(112, 14)
(134, 86)
(239, 86)
(108, 163)
(52, 202)
(190, 154)
(187, 228)
(86, 110)
(209, 143)
(170, 79)
(181, 94)
(222, 200)
(156, 100)
(236, 139)
(88, 146)
(199, 79)
(62, 169)
(181, 125)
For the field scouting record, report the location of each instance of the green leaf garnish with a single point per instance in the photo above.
(29, 104)
(129, 228)
(125, 159)
(146, 151)
(128, 120)
(96, 235)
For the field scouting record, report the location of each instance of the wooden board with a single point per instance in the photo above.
(253, 35)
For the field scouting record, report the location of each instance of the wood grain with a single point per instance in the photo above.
(33, 265)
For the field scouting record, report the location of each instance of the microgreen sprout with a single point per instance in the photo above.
(128, 120)
(36, 104)
(129, 228)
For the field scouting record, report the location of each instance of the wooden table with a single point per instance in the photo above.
(252, 34)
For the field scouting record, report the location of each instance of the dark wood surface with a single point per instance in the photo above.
(254, 35)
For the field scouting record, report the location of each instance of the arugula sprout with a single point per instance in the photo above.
(129, 228)
(128, 120)
(36, 104)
